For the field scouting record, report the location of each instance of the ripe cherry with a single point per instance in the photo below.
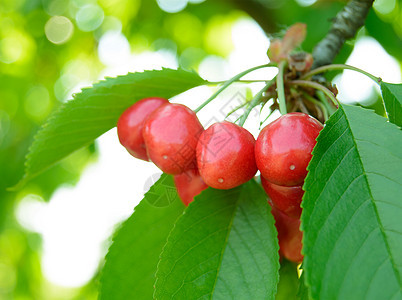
(171, 134)
(283, 148)
(289, 236)
(189, 184)
(285, 198)
(225, 155)
(131, 122)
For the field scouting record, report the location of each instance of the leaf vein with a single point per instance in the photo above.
(329, 179)
(397, 274)
(331, 253)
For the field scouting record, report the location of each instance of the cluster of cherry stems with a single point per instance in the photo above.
(226, 155)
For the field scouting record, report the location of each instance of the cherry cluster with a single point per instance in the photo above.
(283, 151)
(226, 155)
(171, 136)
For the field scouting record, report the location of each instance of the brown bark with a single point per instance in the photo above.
(345, 26)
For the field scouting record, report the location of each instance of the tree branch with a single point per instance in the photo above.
(345, 25)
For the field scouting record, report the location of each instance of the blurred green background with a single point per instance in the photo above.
(50, 48)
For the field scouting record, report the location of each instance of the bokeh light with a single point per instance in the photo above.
(250, 47)
(172, 6)
(59, 29)
(186, 29)
(11, 49)
(89, 17)
(109, 24)
(218, 34)
(113, 48)
(37, 103)
(214, 68)
(306, 2)
(384, 6)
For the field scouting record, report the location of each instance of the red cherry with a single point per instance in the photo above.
(283, 148)
(131, 122)
(189, 184)
(171, 134)
(289, 236)
(225, 155)
(285, 198)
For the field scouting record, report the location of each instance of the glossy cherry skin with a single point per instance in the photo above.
(285, 198)
(289, 236)
(189, 184)
(131, 123)
(225, 155)
(283, 148)
(171, 134)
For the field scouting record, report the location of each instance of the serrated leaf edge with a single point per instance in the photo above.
(307, 282)
(226, 241)
(55, 114)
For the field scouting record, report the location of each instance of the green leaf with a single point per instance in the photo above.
(392, 95)
(129, 271)
(96, 110)
(288, 281)
(223, 247)
(302, 292)
(352, 209)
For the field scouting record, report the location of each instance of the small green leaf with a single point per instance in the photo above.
(392, 95)
(129, 271)
(223, 247)
(352, 209)
(288, 281)
(96, 110)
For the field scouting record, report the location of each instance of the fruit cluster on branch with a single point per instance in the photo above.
(226, 155)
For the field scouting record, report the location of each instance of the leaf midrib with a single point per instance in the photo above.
(226, 241)
(382, 230)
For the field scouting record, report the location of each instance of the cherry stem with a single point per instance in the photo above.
(254, 102)
(319, 103)
(326, 103)
(270, 113)
(236, 108)
(316, 86)
(229, 82)
(239, 80)
(281, 88)
(340, 67)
